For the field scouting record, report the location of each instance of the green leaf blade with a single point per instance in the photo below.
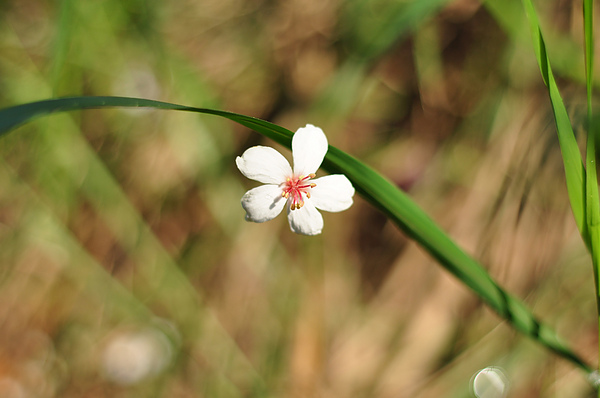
(573, 163)
(378, 190)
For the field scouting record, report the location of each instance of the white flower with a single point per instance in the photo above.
(297, 190)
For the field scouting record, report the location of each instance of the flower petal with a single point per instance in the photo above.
(306, 220)
(264, 164)
(263, 203)
(332, 193)
(309, 146)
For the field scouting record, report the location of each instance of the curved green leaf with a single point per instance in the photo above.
(582, 181)
(373, 186)
(573, 163)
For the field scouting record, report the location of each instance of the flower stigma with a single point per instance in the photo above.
(294, 187)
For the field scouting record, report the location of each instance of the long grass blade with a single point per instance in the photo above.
(592, 199)
(372, 185)
(573, 163)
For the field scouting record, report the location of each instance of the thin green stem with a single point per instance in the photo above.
(592, 201)
(582, 182)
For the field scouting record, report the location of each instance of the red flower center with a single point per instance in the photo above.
(294, 187)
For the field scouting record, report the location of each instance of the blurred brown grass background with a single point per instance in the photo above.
(128, 269)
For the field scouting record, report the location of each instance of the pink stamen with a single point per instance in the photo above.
(294, 187)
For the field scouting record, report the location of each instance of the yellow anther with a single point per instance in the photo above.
(308, 195)
(312, 185)
(312, 175)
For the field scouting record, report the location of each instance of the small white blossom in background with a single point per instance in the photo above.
(297, 190)
(131, 356)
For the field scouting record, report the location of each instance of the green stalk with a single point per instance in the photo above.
(582, 182)
(592, 201)
(573, 163)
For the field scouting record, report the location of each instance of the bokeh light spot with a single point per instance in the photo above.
(490, 382)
